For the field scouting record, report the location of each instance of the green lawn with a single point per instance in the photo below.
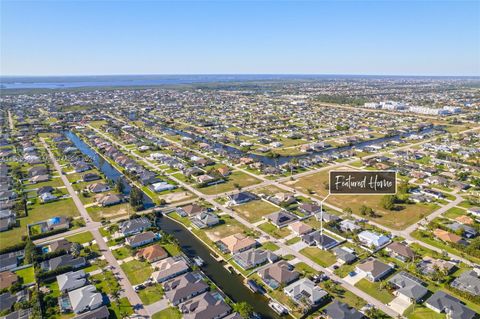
(27, 274)
(172, 249)
(235, 178)
(151, 294)
(274, 231)
(121, 253)
(120, 309)
(454, 212)
(81, 238)
(374, 290)
(270, 246)
(37, 212)
(292, 241)
(105, 282)
(169, 313)
(137, 271)
(305, 269)
(322, 257)
(254, 211)
(422, 312)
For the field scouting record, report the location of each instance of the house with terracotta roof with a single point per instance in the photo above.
(152, 253)
(7, 278)
(236, 243)
(465, 220)
(448, 237)
(300, 228)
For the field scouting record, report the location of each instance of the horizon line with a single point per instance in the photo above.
(234, 74)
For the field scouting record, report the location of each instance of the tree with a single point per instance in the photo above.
(30, 251)
(136, 198)
(363, 210)
(388, 202)
(119, 187)
(244, 309)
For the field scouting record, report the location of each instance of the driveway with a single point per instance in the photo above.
(352, 280)
(298, 246)
(399, 304)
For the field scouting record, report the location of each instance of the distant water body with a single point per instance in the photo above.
(62, 82)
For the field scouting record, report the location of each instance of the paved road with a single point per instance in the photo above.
(127, 288)
(249, 225)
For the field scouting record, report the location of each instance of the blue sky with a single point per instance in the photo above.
(315, 37)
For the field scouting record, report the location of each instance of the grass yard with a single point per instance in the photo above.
(121, 253)
(422, 312)
(322, 257)
(151, 294)
(169, 313)
(454, 212)
(374, 290)
(110, 212)
(37, 212)
(172, 249)
(120, 309)
(137, 271)
(81, 238)
(235, 178)
(270, 246)
(27, 274)
(305, 269)
(228, 227)
(253, 211)
(399, 219)
(274, 231)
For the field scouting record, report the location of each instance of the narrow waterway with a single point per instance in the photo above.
(230, 284)
(284, 159)
(110, 172)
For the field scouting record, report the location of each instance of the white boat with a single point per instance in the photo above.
(198, 261)
(278, 308)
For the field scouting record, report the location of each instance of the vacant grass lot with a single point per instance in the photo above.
(422, 312)
(253, 211)
(274, 231)
(236, 178)
(169, 313)
(81, 238)
(110, 212)
(374, 290)
(137, 271)
(398, 219)
(151, 294)
(27, 274)
(36, 213)
(322, 257)
(227, 227)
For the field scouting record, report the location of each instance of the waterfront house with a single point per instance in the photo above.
(184, 287)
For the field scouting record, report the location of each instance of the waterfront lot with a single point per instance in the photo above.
(110, 212)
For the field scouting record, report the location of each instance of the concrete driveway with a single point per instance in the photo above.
(352, 280)
(399, 304)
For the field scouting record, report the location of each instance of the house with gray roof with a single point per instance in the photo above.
(208, 305)
(340, 310)
(142, 239)
(323, 241)
(71, 280)
(305, 292)
(374, 269)
(134, 226)
(99, 313)
(408, 286)
(469, 282)
(281, 218)
(169, 268)
(205, 219)
(63, 261)
(254, 257)
(345, 255)
(442, 302)
(85, 299)
(184, 287)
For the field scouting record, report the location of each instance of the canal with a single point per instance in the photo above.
(285, 159)
(110, 172)
(231, 284)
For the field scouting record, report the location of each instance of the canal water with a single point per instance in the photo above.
(110, 172)
(231, 284)
(285, 159)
